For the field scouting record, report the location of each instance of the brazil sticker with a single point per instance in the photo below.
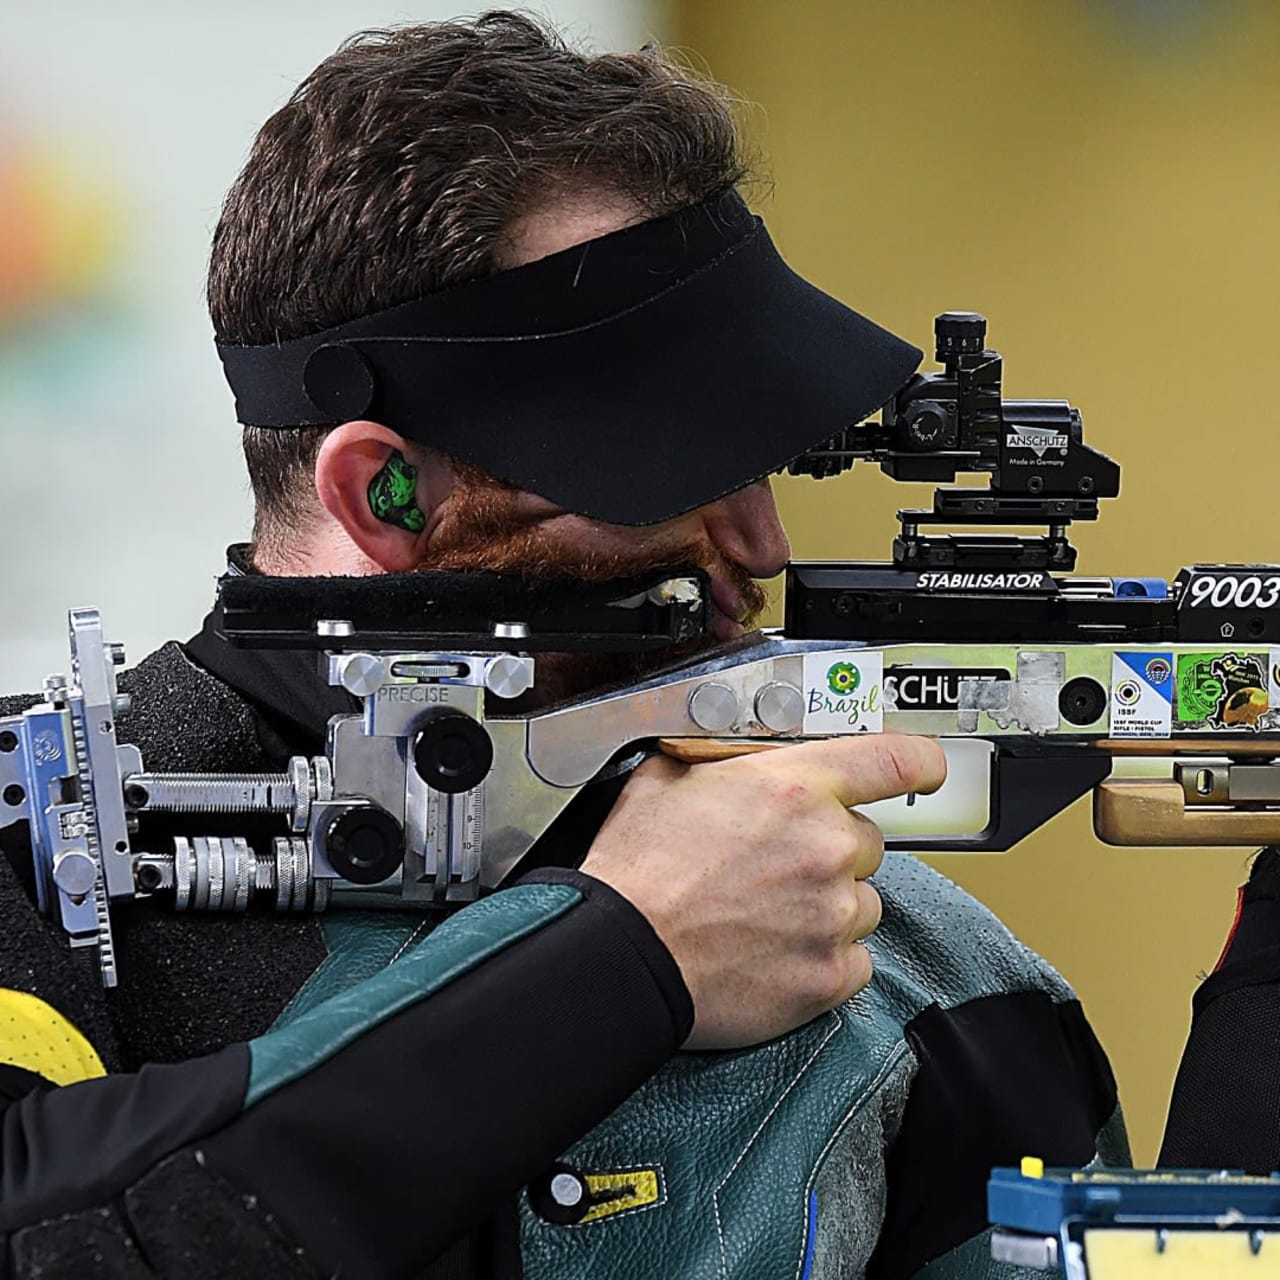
(843, 692)
(1218, 690)
(1141, 695)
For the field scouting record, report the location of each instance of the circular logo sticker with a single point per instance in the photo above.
(843, 678)
(1158, 671)
(1128, 692)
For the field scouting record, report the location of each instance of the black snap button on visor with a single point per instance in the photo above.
(339, 382)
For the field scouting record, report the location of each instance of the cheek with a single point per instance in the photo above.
(580, 534)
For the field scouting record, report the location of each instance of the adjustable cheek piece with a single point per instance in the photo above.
(391, 495)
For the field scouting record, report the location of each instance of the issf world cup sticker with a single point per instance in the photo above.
(843, 692)
(1141, 695)
(1222, 690)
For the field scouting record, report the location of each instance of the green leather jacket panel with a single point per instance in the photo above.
(771, 1161)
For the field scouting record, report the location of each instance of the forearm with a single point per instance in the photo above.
(391, 1119)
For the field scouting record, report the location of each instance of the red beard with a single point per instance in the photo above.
(485, 529)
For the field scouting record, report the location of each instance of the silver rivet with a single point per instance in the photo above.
(507, 676)
(780, 707)
(74, 873)
(510, 630)
(363, 674)
(567, 1190)
(713, 706)
(334, 627)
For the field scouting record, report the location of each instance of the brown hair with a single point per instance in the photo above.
(398, 164)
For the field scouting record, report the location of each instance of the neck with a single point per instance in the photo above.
(317, 553)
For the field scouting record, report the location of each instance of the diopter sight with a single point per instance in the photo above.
(955, 420)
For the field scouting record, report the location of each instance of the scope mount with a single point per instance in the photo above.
(1040, 471)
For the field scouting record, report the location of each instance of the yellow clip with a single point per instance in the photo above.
(1032, 1167)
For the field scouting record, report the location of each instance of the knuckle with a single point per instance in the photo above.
(868, 846)
(860, 969)
(829, 980)
(843, 975)
(870, 909)
(827, 856)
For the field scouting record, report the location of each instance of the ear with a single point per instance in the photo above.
(354, 456)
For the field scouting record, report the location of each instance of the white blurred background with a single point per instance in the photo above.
(121, 126)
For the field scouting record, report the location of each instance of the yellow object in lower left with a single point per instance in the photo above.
(37, 1038)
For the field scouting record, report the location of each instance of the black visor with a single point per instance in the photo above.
(629, 378)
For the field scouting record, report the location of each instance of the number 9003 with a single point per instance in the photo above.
(1249, 591)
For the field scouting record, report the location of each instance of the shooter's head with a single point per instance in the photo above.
(526, 270)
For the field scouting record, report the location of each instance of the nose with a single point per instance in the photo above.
(745, 527)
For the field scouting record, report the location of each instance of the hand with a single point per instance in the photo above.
(752, 871)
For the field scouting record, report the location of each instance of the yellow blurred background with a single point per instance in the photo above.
(1101, 180)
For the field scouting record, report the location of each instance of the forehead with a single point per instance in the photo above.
(563, 220)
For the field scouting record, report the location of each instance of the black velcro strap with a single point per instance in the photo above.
(192, 1223)
(999, 1077)
(78, 1245)
(180, 1220)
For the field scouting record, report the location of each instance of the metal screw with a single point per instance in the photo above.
(508, 676)
(74, 873)
(363, 674)
(713, 706)
(780, 707)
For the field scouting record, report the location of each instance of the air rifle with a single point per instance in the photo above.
(1034, 680)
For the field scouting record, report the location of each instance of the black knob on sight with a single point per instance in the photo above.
(453, 752)
(364, 844)
(958, 333)
(926, 426)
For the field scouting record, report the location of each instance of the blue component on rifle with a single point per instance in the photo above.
(1152, 588)
(1056, 1207)
(1103, 1197)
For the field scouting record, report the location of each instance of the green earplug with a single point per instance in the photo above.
(392, 492)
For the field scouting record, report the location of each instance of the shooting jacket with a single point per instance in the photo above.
(381, 1094)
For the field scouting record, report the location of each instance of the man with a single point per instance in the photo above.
(490, 304)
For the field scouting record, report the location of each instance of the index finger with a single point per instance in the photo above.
(873, 766)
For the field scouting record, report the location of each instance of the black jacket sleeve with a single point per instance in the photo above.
(372, 1132)
(1225, 1108)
